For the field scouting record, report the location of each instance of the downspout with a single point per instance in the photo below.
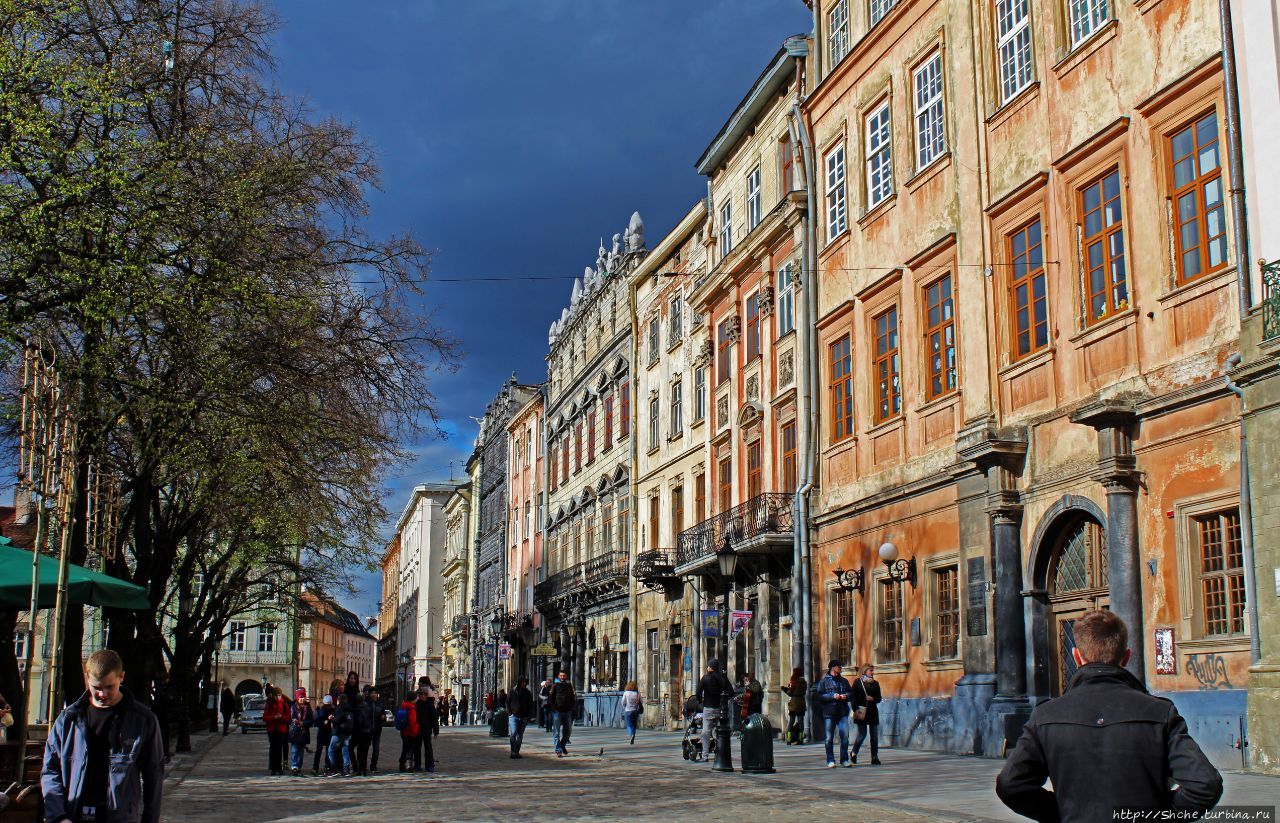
(1246, 518)
(1235, 159)
(634, 507)
(809, 428)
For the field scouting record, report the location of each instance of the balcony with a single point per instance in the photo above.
(762, 525)
(656, 569)
(1270, 299)
(598, 578)
(461, 624)
(251, 658)
(517, 621)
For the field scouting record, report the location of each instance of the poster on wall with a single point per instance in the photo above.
(1166, 659)
(710, 622)
(738, 620)
(504, 651)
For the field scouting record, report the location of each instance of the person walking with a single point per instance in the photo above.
(301, 718)
(462, 710)
(632, 706)
(407, 724)
(229, 705)
(544, 702)
(103, 758)
(797, 692)
(835, 695)
(866, 712)
(361, 733)
(275, 717)
(379, 717)
(562, 701)
(520, 709)
(425, 709)
(713, 688)
(344, 722)
(453, 710)
(442, 709)
(324, 734)
(1106, 744)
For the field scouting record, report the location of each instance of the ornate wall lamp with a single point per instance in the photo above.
(851, 580)
(903, 571)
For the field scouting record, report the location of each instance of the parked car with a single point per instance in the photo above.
(251, 706)
(388, 717)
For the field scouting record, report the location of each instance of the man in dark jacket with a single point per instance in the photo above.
(362, 732)
(563, 701)
(713, 689)
(1106, 743)
(520, 708)
(228, 704)
(425, 709)
(324, 733)
(379, 717)
(835, 697)
(103, 759)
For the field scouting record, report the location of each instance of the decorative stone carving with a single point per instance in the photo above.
(722, 412)
(705, 351)
(787, 368)
(635, 234)
(753, 387)
(733, 328)
(602, 259)
(764, 301)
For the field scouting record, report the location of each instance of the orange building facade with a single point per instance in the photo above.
(526, 508)
(1027, 298)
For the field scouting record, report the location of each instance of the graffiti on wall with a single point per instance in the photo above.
(1209, 670)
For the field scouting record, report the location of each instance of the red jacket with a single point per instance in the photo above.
(411, 730)
(275, 716)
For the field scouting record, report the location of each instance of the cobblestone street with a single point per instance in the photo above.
(477, 781)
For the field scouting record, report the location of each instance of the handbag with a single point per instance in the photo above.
(860, 713)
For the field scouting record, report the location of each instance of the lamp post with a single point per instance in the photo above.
(495, 623)
(728, 561)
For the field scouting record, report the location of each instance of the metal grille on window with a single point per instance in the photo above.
(1082, 561)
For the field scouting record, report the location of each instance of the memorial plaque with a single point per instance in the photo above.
(976, 611)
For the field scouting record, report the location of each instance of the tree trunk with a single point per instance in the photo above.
(10, 676)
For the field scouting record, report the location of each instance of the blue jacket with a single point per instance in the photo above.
(133, 792)
(830, 686)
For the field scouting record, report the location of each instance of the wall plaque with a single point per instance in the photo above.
(976, 613)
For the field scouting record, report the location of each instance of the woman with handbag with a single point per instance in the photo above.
(632, 706)
(796, 691)
(866, 712)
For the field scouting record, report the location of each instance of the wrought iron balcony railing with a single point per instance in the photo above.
(559, 583)
(609, 568)
(764, 514)
(654, 568)
(605, 567)
(1270, 299)
(254, 658)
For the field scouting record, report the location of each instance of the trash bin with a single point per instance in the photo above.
(757, 746)
(498, 723)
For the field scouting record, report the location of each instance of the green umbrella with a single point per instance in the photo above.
(84, 586)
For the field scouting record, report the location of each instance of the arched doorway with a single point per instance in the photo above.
(1076, 583)
(245, 687)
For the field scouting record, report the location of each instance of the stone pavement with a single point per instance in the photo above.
(603, 779)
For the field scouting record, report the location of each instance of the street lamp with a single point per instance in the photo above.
(495, 623)
(728, 561)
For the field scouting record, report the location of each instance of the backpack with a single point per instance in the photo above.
(402, 719)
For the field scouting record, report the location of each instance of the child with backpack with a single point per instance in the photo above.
(407, 725)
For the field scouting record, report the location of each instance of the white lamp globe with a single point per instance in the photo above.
(888, 552)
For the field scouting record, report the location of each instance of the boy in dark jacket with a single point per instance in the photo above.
(379, 713)
(1106, 743)
(324, 733)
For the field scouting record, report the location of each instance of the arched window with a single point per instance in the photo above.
(1082, 559)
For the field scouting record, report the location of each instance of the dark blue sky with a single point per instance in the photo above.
(512, 135)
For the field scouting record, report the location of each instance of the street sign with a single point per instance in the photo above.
(543, 650)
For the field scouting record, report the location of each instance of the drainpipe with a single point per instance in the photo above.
(633, 508)
(1235, 160)
(1246, 518)
(808, 429)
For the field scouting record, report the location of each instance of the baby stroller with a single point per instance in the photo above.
(691, 743)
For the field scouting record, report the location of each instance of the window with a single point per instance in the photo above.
(753, 198)
(786, 299)
(726, 484)
(700, 393)
(677, 511)
(528, 520)
(939, 337)
(946, 617)
(700, 496)
(841, 389)
(655, 664)
(879, 8)
(591, 438)
(608, 422)
(267, 637)
(655, 513)
(1196, 171)
(753, 327)
(677, 320)
(624, 523)
(879, 156)
(886, 365)
(1087, 16)
(1102, 245)
(1221, 572)
(1013, 46)
(837, 214)
(677, 408)
(236, 640)
(789, 465)
(724, 346)
(1027, 290)
(786, 165)
(889, 648)
(653, 341)
(653, 422)
(753, 470)
(606, 527)
(577, 448)
(931, 133)
(564, 458)
(726, 229)
(838, 31)
(842, 631)
(624, 410)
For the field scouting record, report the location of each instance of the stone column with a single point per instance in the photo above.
(1011, 625)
